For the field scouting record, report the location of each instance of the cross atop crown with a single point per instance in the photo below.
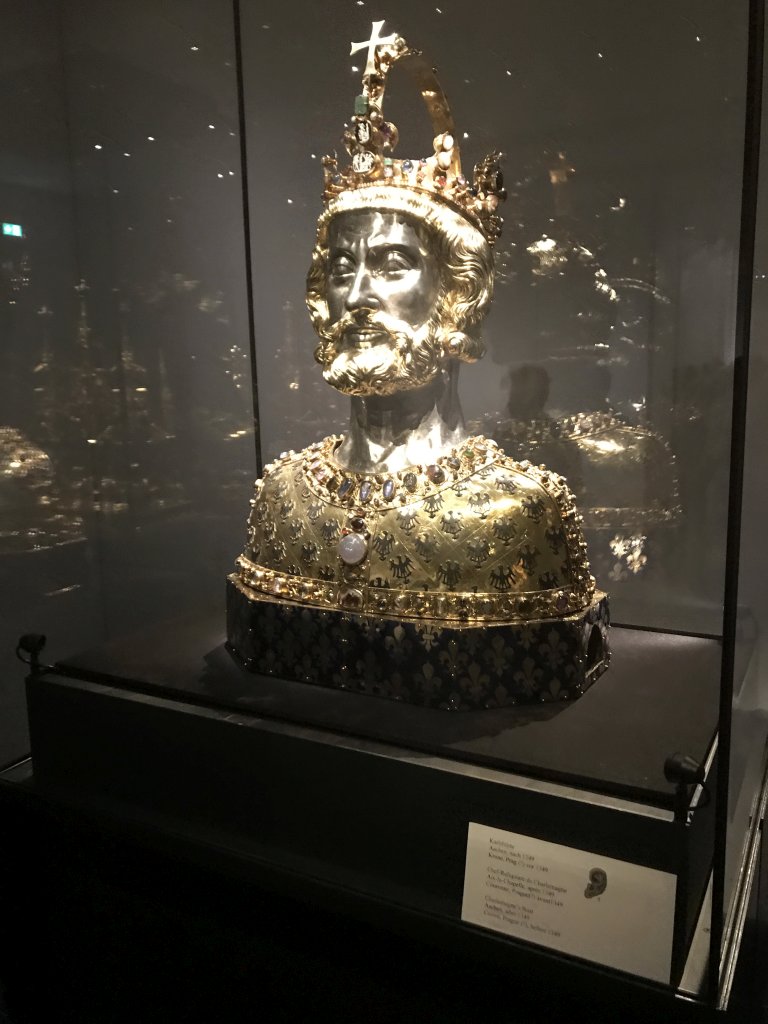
(370, 141)
(373, 45)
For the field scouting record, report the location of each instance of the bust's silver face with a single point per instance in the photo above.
(383, 291)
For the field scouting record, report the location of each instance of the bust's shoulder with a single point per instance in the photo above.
(289, 467)
(506, 475)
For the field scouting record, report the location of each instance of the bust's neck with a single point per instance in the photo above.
(387, 433)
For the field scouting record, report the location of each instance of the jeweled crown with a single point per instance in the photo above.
(371, 140)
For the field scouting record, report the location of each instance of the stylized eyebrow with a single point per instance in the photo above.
(384, 247)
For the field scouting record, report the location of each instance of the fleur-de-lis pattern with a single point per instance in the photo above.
(491, 540)
(438, 666)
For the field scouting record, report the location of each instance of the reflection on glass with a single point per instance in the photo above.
(125, 385)
(621, 469)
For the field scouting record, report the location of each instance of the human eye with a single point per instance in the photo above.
(341, 267)
(395, 263)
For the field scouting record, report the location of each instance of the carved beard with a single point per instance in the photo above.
(402, 359)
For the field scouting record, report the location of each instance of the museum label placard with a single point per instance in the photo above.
(608, 911)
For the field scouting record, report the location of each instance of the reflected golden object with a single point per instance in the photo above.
(628, 473)
(623, 477)
(32, 515)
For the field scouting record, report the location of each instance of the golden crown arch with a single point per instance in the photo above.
(371, 140)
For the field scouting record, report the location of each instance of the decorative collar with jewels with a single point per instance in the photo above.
(381, 490)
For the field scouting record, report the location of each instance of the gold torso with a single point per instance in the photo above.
(474, 536)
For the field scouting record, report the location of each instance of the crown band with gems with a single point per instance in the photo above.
(371, 140)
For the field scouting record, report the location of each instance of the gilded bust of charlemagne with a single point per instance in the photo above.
(405, 519)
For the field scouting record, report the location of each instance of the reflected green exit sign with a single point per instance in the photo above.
(12, 229)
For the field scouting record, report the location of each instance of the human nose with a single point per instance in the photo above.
(361, 294)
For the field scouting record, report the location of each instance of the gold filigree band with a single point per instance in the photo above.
(441, 606)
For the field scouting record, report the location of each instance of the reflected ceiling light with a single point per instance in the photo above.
(150, 138)
(97, 146)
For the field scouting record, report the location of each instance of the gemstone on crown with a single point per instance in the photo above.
(370, 141)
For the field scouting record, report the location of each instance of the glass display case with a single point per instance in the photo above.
(469, 755)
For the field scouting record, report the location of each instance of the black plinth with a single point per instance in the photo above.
(450, 666)
(659, 697)
(373, 796)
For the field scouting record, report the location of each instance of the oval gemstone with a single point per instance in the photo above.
(357, 524)
(351, 598)
(388, 490)
(454, 463)
(410, 481)
(353, 548)
(365, 490)
(436, 474)
(345, 486)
